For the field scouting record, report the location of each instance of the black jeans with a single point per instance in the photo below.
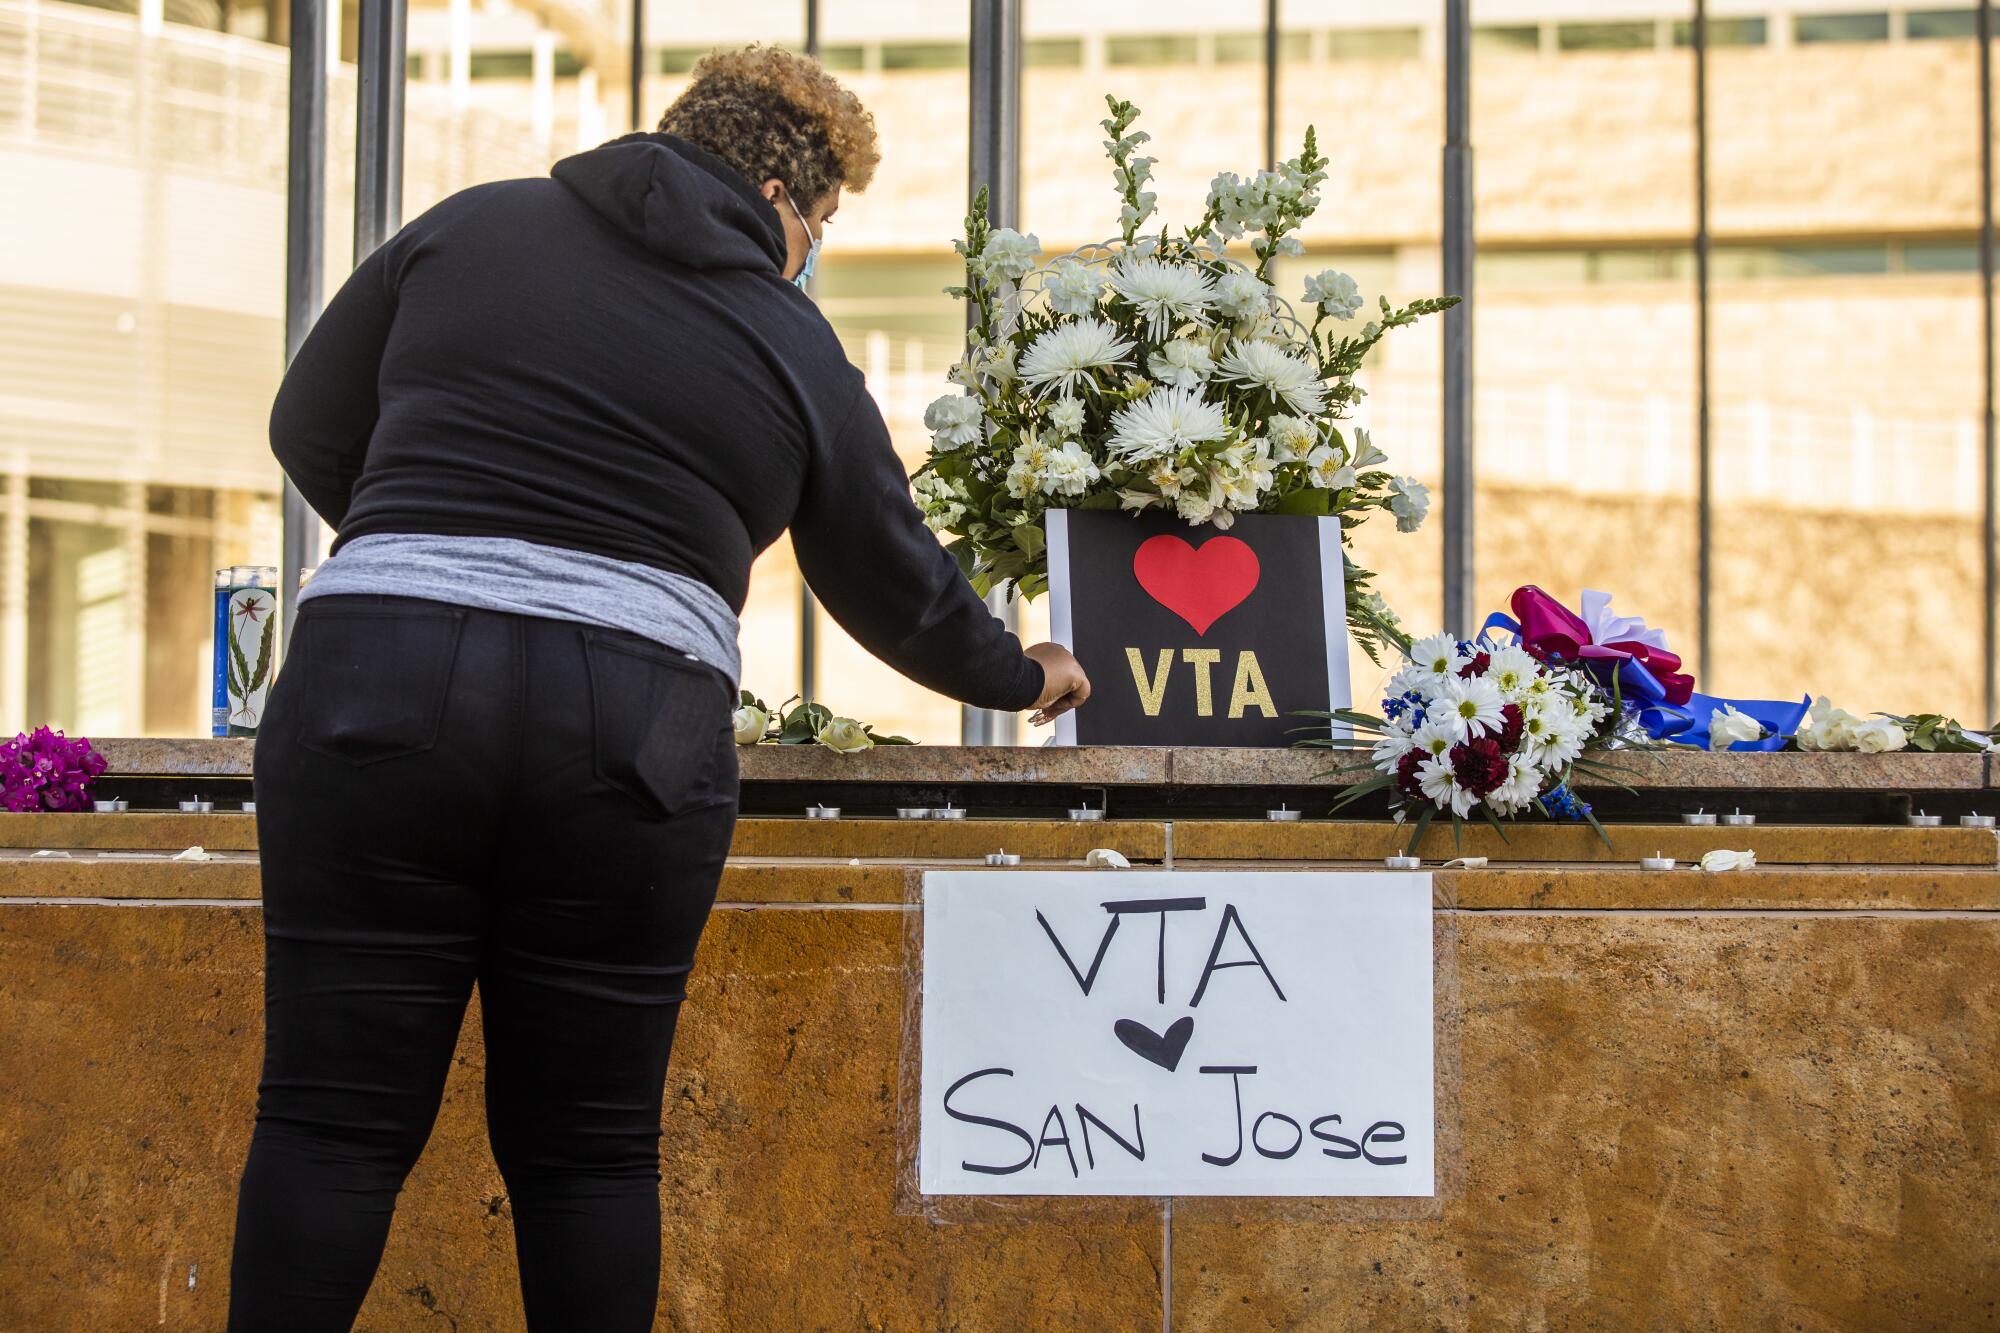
(447, 796)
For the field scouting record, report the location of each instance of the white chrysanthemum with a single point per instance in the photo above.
(1412, 679)
(1010, 255)
(1068, 470)
(1239, 294)
(1328, 470)
(1292, 438)
(1184, 363)
(1439, 655)
(1064, 358)
(1409, 501)
(1512, 669)
(1439, 781)
(953, 421)
(1073, 288)
(1164, 423)
(1435, 737)
(1476, 703)
(1334, 292)
(1276, 371)
(1165, 295)
(1066, 416)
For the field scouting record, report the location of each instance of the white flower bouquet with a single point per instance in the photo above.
(1158, 371)
(1481, 726)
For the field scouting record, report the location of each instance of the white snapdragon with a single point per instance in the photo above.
(954, 421)
(1334, 292)
(1009, 254)
(1409, 502)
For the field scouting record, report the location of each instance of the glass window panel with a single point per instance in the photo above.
(1157, 49)
(1583, 340)
(843, 57)
(502, 65)
(1941, 256)
(680, 59)
(1374, 44)
(1847, 378)
(1243, 48)
(1606, 36)
(1725, 32)
(1807, 28)
(923, 55)
(1053, 51)
(1929, 24)
(1506, 39)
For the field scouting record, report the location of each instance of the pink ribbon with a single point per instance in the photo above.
(1623, 644)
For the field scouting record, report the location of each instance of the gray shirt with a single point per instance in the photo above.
(503, 574)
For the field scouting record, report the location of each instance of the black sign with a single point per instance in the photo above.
(1197, 637)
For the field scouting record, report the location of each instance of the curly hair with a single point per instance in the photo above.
(770, 112)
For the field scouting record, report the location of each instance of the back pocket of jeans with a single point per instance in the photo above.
(375, 678)
(661, 723)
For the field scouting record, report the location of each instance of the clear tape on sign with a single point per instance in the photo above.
(966, 1209)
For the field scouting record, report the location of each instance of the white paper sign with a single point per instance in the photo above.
(1167, 1032)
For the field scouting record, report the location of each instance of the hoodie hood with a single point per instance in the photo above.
(681, 202)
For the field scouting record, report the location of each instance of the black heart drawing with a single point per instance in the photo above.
(1163, 1050)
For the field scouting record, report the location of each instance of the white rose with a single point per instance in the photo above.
(953, 420)
(1409, 502)
(845, 736)
(1009, 254)
(750, 724)
(1334, 292)
(1728, 726)
(1878, 735)
(1832, 728)
(1723, 859)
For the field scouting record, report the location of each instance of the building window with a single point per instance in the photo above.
(1511, 40)
(1375, 43)
(1056, 52)
(924, 55)
(1927, 24)
(1840, 28)
(1160, 49)
(680, 59)
(1605, 36)
(503, 64)
(1940, 257)
(1247, 48)
(413, 68)
(1726, 32)
(843, 57)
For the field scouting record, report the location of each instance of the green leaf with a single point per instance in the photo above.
(262, 671)
(1099, 500)
(1311, 501)
(1030, 538)
(1423, 824)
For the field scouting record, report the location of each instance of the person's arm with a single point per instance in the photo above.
(326, 407)
(864, 550)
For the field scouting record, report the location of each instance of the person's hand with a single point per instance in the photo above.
(1064, 685)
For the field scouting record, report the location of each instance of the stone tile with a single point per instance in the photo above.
(1140, 840)
(1095, 766)
(134, 831)
(85, 875)
(1798, 844)
(1689, 1123)
(815, 882)
(131, 1038)
(177, 757)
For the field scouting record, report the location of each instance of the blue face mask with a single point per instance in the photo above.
(812, 247)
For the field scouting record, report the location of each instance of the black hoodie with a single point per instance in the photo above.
(612, 361)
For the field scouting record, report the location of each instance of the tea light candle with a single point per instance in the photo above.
(1402, 862)
(1699, 817)
(949, 812)
(1283, 815)
(249, 807)
(1739, 819)
(1084, 814)
(1656, 862)
(197, 807)
(822, 812)
(1922, 820)
(1976, 821)
(104, 807)
(1003, 858)
(913, 812)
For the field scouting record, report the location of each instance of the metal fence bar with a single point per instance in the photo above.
(1989, 561)
(378, 125)
(1459, 250)
(305, 255)
(1271, 84)
(638, 89)
(1704, 432)
(994, 127)
(808, 604)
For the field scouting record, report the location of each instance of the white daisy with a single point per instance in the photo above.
(1439, 655)
(1164, 423)
(1436, 736)
(1073, 288)
(1184, 363)
(1511, 669)
(1440, 782)
(1476, 703)
(1286, 377)
(1411, 680)
(1065, 357)
(1523, 784)
(1166, 295)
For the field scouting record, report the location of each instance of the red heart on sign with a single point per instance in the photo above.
(1198, 585)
